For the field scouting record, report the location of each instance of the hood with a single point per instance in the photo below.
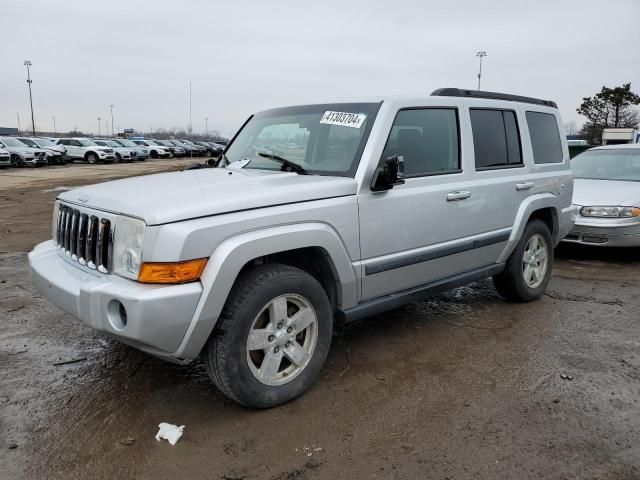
(170, 197)
(606, 192)
(25, 149)
(54, 149)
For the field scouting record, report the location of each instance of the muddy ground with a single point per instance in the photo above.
(462, 385)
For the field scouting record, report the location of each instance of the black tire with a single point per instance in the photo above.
(225, 354)
(153, 154)
(91, 158)
(16, 160)
(118, 158)
(511, 283)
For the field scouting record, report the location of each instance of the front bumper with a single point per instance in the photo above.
(156, 318)
(605, 232)
(36, 161)
(5, 161)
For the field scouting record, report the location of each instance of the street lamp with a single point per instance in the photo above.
(27, 63)
(111, 107)
(206, 126)
(99, 125)
(54, 126)
(480, 54)
(190, 107)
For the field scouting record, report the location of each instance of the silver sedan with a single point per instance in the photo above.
(606, 191)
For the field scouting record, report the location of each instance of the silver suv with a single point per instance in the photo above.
(316, 214)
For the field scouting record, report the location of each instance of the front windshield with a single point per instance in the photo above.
(87, 143)
(29, 142)
(126, 143)
(11, 142)
(610, 164)
(45, 142)
(322, 139)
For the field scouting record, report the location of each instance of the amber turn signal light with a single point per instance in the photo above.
(174, 272)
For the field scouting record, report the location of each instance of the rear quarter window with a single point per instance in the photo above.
(545, 137)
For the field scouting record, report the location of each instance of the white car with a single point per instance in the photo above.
(22, 155)
(142, 153)
(155, 149)
(56, 154)
(5, 158)
(123, 154)
(87, 150)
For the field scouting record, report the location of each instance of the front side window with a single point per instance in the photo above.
(496, 138)
(323, 139)
(545, 137)
(427, 139)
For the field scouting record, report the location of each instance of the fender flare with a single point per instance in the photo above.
(527, 207)
(231, 255)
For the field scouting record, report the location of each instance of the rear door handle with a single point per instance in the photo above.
(524, 186)
(459, 195)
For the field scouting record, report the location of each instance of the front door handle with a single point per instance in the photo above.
(458, 195)
(524, 186)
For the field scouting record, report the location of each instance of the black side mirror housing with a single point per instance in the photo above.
(390, 173)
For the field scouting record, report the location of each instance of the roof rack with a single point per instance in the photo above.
(460, 92)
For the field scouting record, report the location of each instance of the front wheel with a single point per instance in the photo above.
(16, 160)
(528, 269)
(92, 158)
(272, 337)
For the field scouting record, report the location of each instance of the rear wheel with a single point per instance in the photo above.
(92, 158)
(528, 269)
(272, 337)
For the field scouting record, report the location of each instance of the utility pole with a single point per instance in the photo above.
(18, 116)
(480, 54)
(190, 107)
(206, 126)
(54, 126)
(99, 123)
(27, 63)
(111, 107)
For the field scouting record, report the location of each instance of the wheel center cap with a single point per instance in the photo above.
(281, 338)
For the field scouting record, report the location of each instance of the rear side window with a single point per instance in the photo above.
(496, 138)
(545, 137)
(427, 138)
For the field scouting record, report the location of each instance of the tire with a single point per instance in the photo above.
(153, 154)
(516, 283)
(118, 158)
(92, 158)
(16, 160)
(237, 369)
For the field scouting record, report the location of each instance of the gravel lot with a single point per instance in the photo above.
(462, 385)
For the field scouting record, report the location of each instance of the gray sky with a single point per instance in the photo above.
(244, 56)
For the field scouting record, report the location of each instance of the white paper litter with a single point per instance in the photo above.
(169, 432)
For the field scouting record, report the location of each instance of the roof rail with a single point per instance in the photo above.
(459, 92)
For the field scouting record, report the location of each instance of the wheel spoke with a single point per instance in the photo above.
(296, 354)
(278, 310)
(527, 273)
(301, 320)
(259, 339)
(270, 366)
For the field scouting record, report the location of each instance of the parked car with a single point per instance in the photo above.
(87, 150)
(190, 150)
(123, 154)
(155, 149)
(56, 154)
(607, 195)
(209, 149)
(202, 151)
(5, 158)
(390, 201)
(176, 150)
(142, 152)
(22, 155)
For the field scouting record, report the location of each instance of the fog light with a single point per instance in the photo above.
(117, 315)
(590, 239)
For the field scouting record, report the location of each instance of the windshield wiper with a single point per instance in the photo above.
(287, 165)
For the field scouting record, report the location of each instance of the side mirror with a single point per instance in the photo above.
(389, 174)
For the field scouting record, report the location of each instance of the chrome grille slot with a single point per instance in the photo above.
(85, 239)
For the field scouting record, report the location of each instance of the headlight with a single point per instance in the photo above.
(54, 221)
(610, 212)
(127, 247)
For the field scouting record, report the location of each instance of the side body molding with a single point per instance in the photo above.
(231, 255)
(527, 207)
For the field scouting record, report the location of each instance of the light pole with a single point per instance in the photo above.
(27, 63)
(480, 54)
(111, 107)
(206, 126)
(99, 123)
(18, 116)
(54, 126)
(189, 107)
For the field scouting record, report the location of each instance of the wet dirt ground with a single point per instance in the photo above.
(462, 385)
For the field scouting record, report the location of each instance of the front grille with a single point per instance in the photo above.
(86, 239)
(108, 150)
